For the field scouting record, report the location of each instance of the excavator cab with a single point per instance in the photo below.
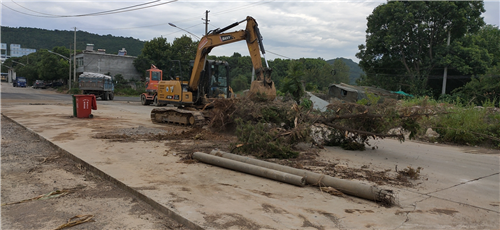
(214, 79)
(219, 79)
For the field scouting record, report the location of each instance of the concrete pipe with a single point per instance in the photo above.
(348, 187)
(250, 169)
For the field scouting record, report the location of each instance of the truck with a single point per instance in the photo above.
(98, 84)
(153, 76)
(209, 79)
(19, 82)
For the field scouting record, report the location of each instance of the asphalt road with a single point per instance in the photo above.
(9, 92)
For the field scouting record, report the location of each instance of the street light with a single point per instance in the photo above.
(171, 24)
(69, 60)
(18, 63)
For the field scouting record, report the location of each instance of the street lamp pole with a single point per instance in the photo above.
(173, 25)
(69, 72)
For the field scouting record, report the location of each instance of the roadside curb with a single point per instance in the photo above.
(88, 167)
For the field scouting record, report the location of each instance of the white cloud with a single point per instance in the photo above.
(311, 29)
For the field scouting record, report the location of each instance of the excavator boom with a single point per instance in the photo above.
(263, 83)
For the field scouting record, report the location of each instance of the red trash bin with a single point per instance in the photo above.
(84, 105)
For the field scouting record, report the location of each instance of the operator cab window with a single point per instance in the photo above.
(155, 76)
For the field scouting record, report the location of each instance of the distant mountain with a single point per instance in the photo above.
(35, 38)
(354, 70)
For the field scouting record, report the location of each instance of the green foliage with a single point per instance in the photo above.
(306, 103)
(240, 83)
(41, 65)
(74, 91)
(468, 125)
(47, 39)
(292, 84)
(354, 70)
(371, 99)
(481, 89)
(168, 57)
(261, 141)
(458, 121)
(341, 71)
(406, 43)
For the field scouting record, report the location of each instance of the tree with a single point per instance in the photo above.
(293, 82)
(156, 52)
(341, 71)
(406, 41)
(184, 50)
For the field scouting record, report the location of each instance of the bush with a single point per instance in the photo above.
(459, 121)
(261, 141)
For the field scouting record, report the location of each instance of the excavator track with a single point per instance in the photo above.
(177, 116)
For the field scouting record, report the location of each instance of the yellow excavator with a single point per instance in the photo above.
(210, 79)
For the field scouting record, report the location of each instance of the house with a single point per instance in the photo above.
(353, 93)
(98, 61)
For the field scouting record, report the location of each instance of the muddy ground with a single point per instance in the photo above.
(31, 167)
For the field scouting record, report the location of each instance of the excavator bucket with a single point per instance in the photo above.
(263, 88)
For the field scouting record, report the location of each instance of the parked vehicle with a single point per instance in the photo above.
(98, 84)
(154, 75)
(54, 84)
(57, 84)
(39, 84)
(4, 76)
(19, 82)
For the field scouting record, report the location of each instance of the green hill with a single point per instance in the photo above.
(35, 38)
(354, 70)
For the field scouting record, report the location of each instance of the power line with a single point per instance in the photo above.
(278, 54)
(115, 11)
(91, 13)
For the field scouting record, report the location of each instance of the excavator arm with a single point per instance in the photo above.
(251, 35)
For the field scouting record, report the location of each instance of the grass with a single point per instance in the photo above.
(465, 124)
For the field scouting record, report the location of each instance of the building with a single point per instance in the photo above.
(353, 93)
(3, 52)
(110, 64)
(17, 51)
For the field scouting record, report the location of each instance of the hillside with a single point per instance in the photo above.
(35, 38)
(354, 70)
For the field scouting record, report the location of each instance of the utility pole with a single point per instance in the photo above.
(74, 58)
(206, 21)
(445, 74)
(69, 77)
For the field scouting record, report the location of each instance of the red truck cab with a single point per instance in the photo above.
(153, 76)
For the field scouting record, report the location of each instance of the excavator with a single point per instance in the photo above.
(210, 78)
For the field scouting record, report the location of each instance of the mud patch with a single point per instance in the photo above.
(271, 209)
(66, 136)
(439, 211)
(270, 195)
(230, 220)
(358, 211)
(449, 212)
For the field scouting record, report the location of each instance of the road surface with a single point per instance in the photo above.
(459, 186)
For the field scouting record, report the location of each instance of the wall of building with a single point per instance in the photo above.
(17, 51)
(107, 63)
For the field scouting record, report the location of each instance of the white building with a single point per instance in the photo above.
(17, 51)
(3, 52)
(100, 62)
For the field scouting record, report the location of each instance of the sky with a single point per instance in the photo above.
(291, 29)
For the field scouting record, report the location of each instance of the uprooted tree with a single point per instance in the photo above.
(272, 129)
